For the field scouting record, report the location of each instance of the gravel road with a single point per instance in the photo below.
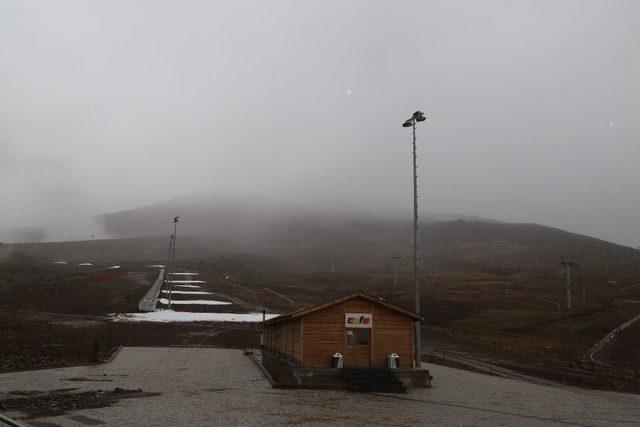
(209, 386)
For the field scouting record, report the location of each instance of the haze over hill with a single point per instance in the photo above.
(530, 119)
(306, 236)
(213, 214)
(312, 234)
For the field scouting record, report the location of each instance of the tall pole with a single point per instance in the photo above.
(170, 251)
(568, 265)
(395, 270)
(584, 286)
(333, 257)
(169, 274)
(173, 259)
(418, 116)
(167, 269)
(416, 248)
(568, 288)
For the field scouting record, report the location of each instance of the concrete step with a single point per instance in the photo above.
(372, 380)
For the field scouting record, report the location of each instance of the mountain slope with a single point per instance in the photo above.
(309, 236)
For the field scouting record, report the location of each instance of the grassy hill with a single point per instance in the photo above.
(490, 283)
(308, 237)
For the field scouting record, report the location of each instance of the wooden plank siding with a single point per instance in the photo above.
(391, 333)
(311, 339)
(323, 336)
(284, 340)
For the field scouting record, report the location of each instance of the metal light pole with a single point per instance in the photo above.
(418, 116)
(167, 268)
(584, 285)
(568, 265)
(333, 257)
(173, 259)
(395, 270)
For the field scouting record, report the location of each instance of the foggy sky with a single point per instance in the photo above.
(533, 107)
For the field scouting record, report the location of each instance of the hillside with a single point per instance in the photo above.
(309, 236)
(492, 284)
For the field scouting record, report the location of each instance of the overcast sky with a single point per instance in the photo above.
(533, 106)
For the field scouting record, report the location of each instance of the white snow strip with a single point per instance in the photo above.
(185, 274)
(194, 301)
(187, 286)
(59, 262)
(187, 292)
(182, 316)
(186, 281)
(114, 267)
(156, 266)
(85, 263)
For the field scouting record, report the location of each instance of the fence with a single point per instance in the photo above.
(150, 299)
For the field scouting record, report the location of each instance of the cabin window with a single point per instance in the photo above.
(358, 336)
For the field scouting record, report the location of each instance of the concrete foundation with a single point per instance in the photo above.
(286, 373)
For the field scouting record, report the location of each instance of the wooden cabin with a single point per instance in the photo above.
(363, 328)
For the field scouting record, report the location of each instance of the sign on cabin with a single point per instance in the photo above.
(358, 320)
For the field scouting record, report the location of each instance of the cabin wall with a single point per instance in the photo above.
(296, 341)
(324, 333)
(392, 333)
(284, 340)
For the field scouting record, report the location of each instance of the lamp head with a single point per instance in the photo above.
(407, 124)
(419, 116)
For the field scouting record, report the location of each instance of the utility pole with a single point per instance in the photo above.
(333, 257)
(173, 259)
(167, 268)
(584, 286)
(418, 116)
(395, 259)
(568, 265)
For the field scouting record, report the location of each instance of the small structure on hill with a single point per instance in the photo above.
(356, 341)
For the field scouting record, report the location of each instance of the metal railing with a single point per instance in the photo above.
(4, 420)
(590, 356)
(150, 299)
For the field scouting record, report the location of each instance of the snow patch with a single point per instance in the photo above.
(187, 292)
(182, 316)
(186, 286)
(194, 301)
(85, 263)
(186, 281)
(60, 262)
(114, 267)
(156, 266)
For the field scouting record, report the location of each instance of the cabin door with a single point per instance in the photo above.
(357, 348)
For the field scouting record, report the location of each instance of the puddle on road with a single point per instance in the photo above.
(38, 404)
